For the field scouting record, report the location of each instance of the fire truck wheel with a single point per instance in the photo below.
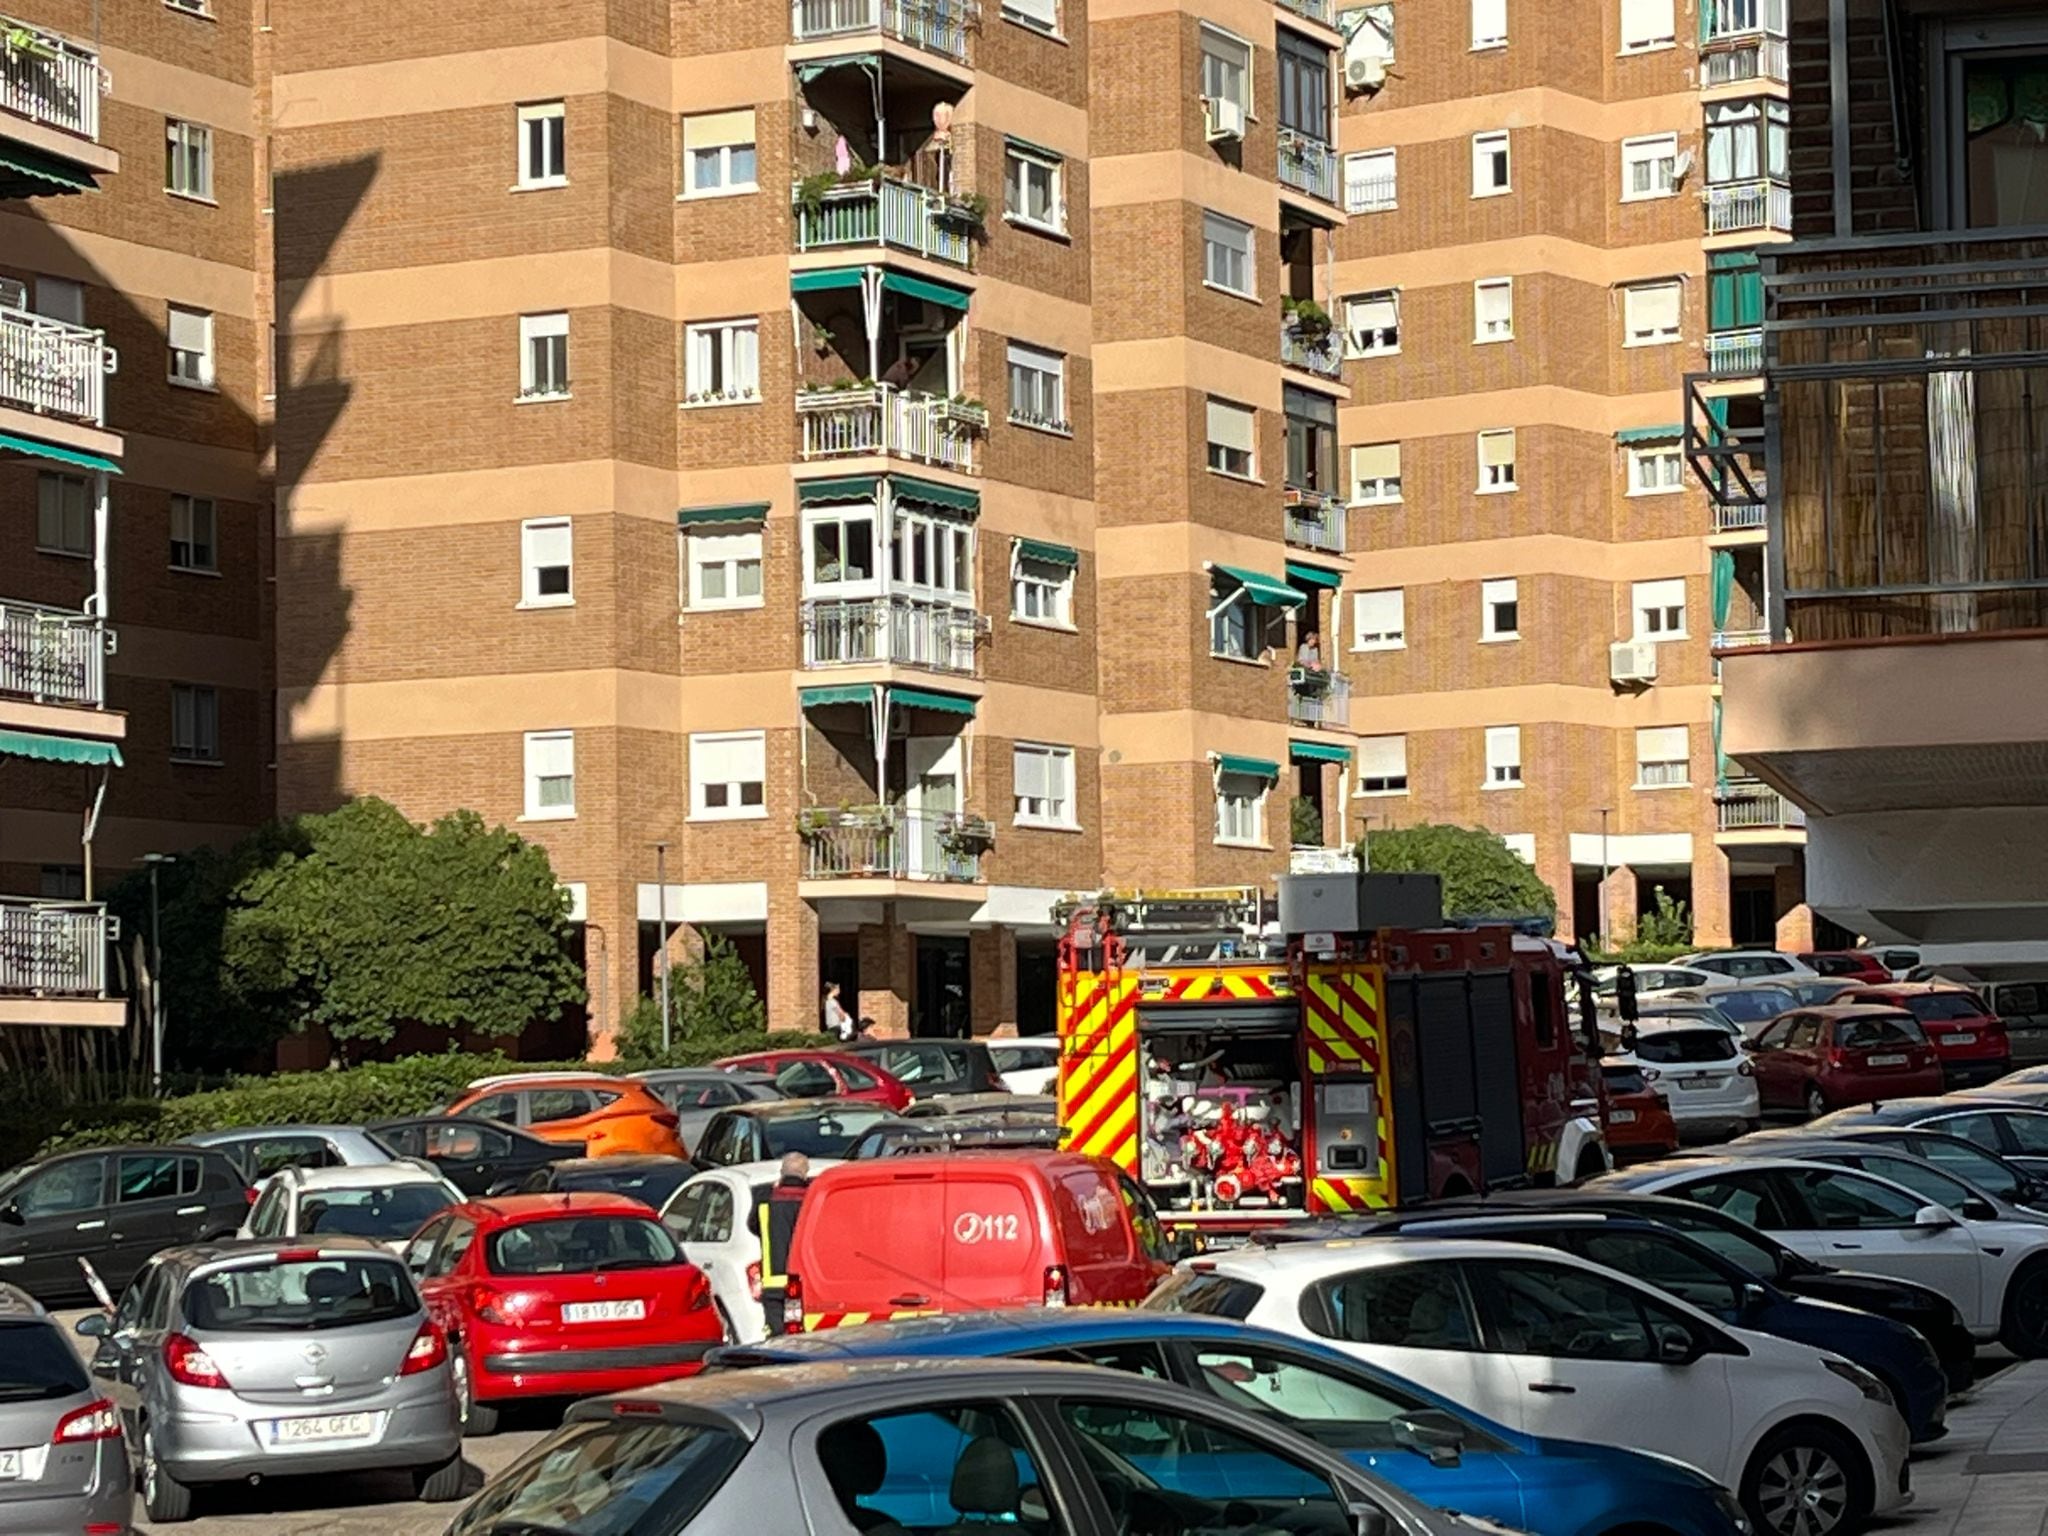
(1591, 1165)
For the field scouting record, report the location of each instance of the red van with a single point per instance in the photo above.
(971, 1231)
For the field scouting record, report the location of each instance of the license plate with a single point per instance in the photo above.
(1958, 1039)
(1886, 1061)
(1698, 1080)
(10, 1464)
(326, 1426)
(631, 1311)
(1621, 1117)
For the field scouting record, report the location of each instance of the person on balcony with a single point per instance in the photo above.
(1308, 655)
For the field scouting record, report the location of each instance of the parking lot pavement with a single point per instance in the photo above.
(1989, 1475)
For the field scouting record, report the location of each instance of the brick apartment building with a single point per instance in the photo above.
(843, 474)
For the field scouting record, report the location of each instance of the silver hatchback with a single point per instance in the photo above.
(242, 1360)
(63, 1467)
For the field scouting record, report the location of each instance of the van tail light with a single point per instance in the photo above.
(99, 1420)
(1055, 1285)
(793, 1304)
(429, 1349)
(191, 1365)
(754, 1281)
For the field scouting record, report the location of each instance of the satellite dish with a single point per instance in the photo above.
(1681, 167)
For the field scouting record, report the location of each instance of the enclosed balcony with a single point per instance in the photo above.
(940, 636)
(941, 27)
(1309, 341)
(895, 842)
(1308, 165)
(1316, 522)
(1749, 207)
(1323, 12)
(49, 656)
(1742, 40)
(50, 89)
(54, 369)
(905, 424)
(879, 209)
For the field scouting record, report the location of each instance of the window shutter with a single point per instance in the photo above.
(188, 329)
(1230, 426)
(1032, 774)
(1373, 312)
(1376, 461)
(715, 130)
(1045, 12)
(1497, 449)
(1646, 21)
(547, 544)
(1495, 303)
(1383, 757)
(1503, 746)
(1654, 307)
(551, 757)
(1489, 20)
(1663, 744)
(1669, 593)
(1380, 613)
(1503, 591)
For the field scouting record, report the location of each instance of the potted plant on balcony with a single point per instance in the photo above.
(967, 837)
(1310, 322)
(809, 192)
(31, 44)
(969, 210)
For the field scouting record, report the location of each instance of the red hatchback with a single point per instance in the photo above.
(813, 1074)
(1968, 1037)
(1818, 1059)
(1857, 964)
(559, 1296)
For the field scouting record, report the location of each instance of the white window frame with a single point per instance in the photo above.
(1658, 610)
(733, 349)
(1384, 171)
(1372, 342)
(1232, 53)
(545, 743)
(1662, 33)
(1636, 332)
(1495, 479)
(1658, 152)
(1051, 366)
(195, 723)
(1239, 249)
(945, 546)
(736, 808)
(1669, 478)
(188, 147)
(1031, 588)
(1495, 144)
(535, 535)
(191, 368)
(728, 552)
(56, 485)
(1250, 471)
(1378, 624)
(722, 156)
(1494, 595)
(1656, 767)
(1489, 24)
(1485, 329)
(533, 329)
(1503, 757)
(846, 516)
(1034, 15)
(1241, 817)
(1055, 810)
(1384, 783)
(189, 512)
(1019, 161)
(540, 145)
(1375, 490)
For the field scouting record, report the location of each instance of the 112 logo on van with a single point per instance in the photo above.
(973, 1227)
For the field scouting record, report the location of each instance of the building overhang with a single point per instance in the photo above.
(64, 1012)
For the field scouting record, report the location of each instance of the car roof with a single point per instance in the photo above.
(799, 1109)
(1672, 1023)
(762, 1170)
(620, 1161)
(1852, 1010)
(194, 1256)
(1340, 1253)
(16, 1304)
(1916, 988)
(251, 1132)
(862, 1047)
(358, 1176)
(539, 1079)
(136, 1148)
(508, 1210)
(1049, 1161)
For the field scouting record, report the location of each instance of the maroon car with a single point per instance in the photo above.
(1860, 964)
(1830, 1057)
(1968, 1037)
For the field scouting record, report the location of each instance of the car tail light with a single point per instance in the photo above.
(1651, 1074)
(249, 1195)
(190, 1364)
(696, 1290)
(298, 1255)
(490, 1306)
(793, 1304)
(429, 1349)
(636, 1410)
(754, 1281)
(1055, 1285)
(99, 1420)
(1838, 1058)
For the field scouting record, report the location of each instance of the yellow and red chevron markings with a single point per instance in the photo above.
(1341, 1009)
(1099, 1079)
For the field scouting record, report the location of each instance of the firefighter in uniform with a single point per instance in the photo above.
(776, 1220)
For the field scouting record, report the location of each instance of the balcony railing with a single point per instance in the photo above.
(1308, 165)
(53, 657)
(885, 211)
(1751, 807)
(1759, 58)
(1368, 194)
(1736, 354)
(1316, 697)
(937, 26)
(49, 79)
(1741, 516)
(1739, 206)
(1324, 11)
(54, 948)
(931, 429)
(1322, 861)
(1318, 351)
(876, 631)
(892, 842)
(53, 368)
(1316, 522)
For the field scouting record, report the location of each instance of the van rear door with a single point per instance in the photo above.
(871, 1244)
(1098, 1240)
(997, 1238)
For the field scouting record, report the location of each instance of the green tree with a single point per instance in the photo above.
(709, 997)
(1305, 823)
(1667, 926)
(1482, 876)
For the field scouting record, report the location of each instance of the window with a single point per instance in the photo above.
(1746, 140)
(1239, 627)
(550, 775)
(58, 298)
(1041, 590)
(543, 356)
(1241, 808)
(195, 723)
(1493, 309)
(1663, 756)
(728, 776)
(1226, 254)
(1842, 1201)
(1409, 1306)
(1503, 756)
(722, 362)
(1372, 323)
(1311, 424)
(78, 1184)
(725, 570)
(1659, 608)
(1490, 164)
(1042, 15)
(1375, 473)
(543, 143)
(1649, 313)
(1655, 471)
(191, 337)
(1649, 167)
(544, 563)
(152, 1177)
(195, 534)
(842, 548)
(1379, 620)
(1489, 23)
(1043, 781)
(1500, 609)
(718, 153)
(1383, 765)
(1120, 1438)
(1231, 436)
(1038, 388)
(1369, 182)
(1304, 70)
(1497, 459)
(64, 511)
(1031, 188)
(61, 882)
(1646, 24)
(1226, 68)
(188, 159)
(933, 553)
(1565, 1313)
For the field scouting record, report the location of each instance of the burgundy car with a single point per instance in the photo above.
(1968, 1037)
(1860, 964)
(1830, 1057)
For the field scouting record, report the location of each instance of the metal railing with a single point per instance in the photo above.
(1741, 516)
(1315, 697)
(1322, 861)
(52, 656)
(54, 368)
(54, 948)
(1759, 58)
(1317, 523)
(872, 631)
(1323, 11)
(50, 79)
(1307, 165)
(885, 211)
(1319, 352)
(1734, 354)
(894, 842)
(1736, 639)
(1742, 807)
(937, 26)
(1368, 194)
(847, 423)
(1725, 21)
(1737, 206)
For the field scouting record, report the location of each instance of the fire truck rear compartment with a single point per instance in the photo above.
(1453, 1045)
(1244, 1056)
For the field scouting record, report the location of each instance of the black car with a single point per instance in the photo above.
(115, 1207)
(755, 1133)
(2016, 1132)
(1965, 1159)
(476, 1156)
(931, 1067)
(647, 1177)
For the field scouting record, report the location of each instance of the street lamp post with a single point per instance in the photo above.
(156, 861)
(661, 925)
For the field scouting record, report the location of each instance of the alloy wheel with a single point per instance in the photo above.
(1802, 1491)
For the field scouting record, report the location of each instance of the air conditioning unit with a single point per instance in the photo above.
(1365, 72)
(1632, 661)
(13, 293)
(1225, 119)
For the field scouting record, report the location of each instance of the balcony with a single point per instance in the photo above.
(50, 80)
(1308, 165)
(890, 631)
(1745, 207)
(52, 949)
(853, 423)
(53, 369)
(1737, 639)
(1322, 861)
(1736, 354)
(936, 26)
(1749, 806)
(884, 211)
(48, 656)
(893, 842)
(1742, 40)
(1315, 521)
(1316, 697)
(1742, 516)
(1311, 346)
(1323, 12)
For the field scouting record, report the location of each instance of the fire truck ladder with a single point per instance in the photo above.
(1168, 928)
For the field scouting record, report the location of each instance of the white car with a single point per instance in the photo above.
(1028, 1064)
(715, 1218)
(1701, 1071)
(1553, 1345)
(1650, 979)
(386, 1202)
(1994, 1270)
(1748, 964)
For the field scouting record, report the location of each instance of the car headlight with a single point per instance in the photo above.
(1862, 1381)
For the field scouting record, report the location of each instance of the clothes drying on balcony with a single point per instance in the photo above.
(73, 456)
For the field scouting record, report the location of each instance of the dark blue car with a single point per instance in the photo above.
(1425, 1445)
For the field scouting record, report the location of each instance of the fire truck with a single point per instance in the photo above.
(1247, 1075)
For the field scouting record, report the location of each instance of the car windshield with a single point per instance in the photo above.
(293, 1294)
(1623, 1079)
(650, 1185)
(916, 1065)
(37, 1362)
(1931, 1007)
(608, 1477)
(1971, 1162)
(1677, 1045)
(572, 1244)
(1749, 1005)
(387, 1212)
(823, 1136)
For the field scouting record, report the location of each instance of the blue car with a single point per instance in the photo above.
(1423, 1444)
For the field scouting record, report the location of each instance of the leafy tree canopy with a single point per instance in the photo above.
(708, 997)
(1482, 876)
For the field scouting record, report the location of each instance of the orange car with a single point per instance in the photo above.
(605, 1115)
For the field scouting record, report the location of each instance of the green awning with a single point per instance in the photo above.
(1317, 752)
(1254, 767)
(838, 693)
(58, 455)
(740, 512)
(823, 279)
(60, 749)
(1313, 576)
(48, 170)
(1650, 434)
(846, 488)
(922, 698)
(811, 69)
(923, 288)
(1030, 148)
(1048, 554)
(1264, 589)
(933, 494)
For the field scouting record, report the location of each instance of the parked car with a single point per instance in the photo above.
(601, 1116)
(559, 1296)
(1553, 1345)
(1431, 1448)
(1818, 1059)
(932, 1068)
(475, 1156)
(716, 1219)
(1945, 1186)
(1995, 1270)
(646, 1178)
(385, 1202)
(1748, 1005)
(759, 1133)
(815, 1074)
(1967, 1037)
(970, 1231)
(2022, 1006)
(63, 1459)
(1702, 1073)
(698, 1093)
(2016, 1132)
(112, 1207)
(232, 1362)
(1639, 1122)
(1021, 1108)
(260, 1151)
(956, 1133)
(1808, 990)
(1650, 979)
(1747, 964)
(1975, 1165)
(1899, 961)
(942, 1448)
(1859, 964)
(1029, 1063)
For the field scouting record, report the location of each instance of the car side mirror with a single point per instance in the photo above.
(1429, 1433)
(1934, 1217)
(1368, 1519)
(11, 1214)
(1675, 1344)
(94, 1325)
(1754, 1299)
(1975, 1209)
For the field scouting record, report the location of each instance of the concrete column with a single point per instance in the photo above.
(794, 999)
(1788, 901)
(611, 960)
(1620, 905)
(1712, 914)
(992, 980)
(886, 975)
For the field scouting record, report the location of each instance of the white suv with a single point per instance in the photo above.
(1701, 1071)
(1748, 964)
